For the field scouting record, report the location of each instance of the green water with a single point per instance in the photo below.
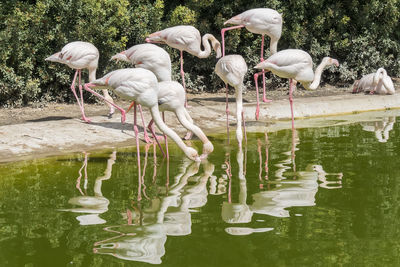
(336, 204)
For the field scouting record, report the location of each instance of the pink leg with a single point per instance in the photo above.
(223, 36)
(227, 114)
(146, 136)
(102, 97)
(151, 128)
(260, 160)
(292, 86)
(165, 138)
(183, 79)
(263, 71)
(135, 128)
(77, 98)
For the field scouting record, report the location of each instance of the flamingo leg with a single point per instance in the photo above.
(146, 136)
(77, 98)
(266, 156)
(151, 128)
(138, 151)
(123, 116)
(223, 36)
(292, 86)
(227, 114)
(265, 100)
(257, 96)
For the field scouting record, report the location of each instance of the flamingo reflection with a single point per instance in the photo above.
(93, 205)
(380, 128)
(144, 235)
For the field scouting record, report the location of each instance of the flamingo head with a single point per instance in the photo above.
(207, 149)
(330, 61)
(55, 57)
(120, 56)
(192, 154)
(155, 38)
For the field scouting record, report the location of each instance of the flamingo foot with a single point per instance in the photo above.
(86, 119)
(188, 136)
(266, 100)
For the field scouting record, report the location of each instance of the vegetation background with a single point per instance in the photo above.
(362, 35)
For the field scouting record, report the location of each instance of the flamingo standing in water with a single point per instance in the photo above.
(232, 69)
(376, 83)
(297, 66)
(186, 38)
(264, 21)
(83, 55)
(141, 86)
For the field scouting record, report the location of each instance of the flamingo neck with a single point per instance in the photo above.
(205, 40)
(273, 46)
(155, 114)
(239, 110)
(379, 75)
(317, 76)
(92, 74)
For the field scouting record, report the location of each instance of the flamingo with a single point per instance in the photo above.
(296, 65)
(150, 57)
(232, 69)
(140, 85)
(186, 38)
(83, 55)
(377, 83)
(264, 21)
(171, 97)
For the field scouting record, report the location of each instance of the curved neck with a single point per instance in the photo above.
(155, 113)
(106, 176)
(239, 110)
(273, 46)
(317, 76)
(207, 48)
(92, 75)
(180, 114)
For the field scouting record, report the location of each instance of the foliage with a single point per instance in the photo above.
(362, 35)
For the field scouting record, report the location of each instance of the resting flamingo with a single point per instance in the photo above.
(376, 83)
(186, 38)
(259, 21)
(140, 85)
(232, 69)
(150, 57)
(296, 65)
(83, 55)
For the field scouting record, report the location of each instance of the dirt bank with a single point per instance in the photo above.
(56, 128)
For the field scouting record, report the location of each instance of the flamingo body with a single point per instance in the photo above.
(378, 82)
(232, 69)
(141, 85)
(150, 57)
(260, 21)
(187, 38)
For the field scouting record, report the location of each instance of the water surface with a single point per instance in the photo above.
(315, 196)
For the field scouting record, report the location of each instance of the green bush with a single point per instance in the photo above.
(362, 35)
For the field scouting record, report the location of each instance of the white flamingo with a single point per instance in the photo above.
(140, 85)
(376, 83)
(186, 38)
(297, 66)
(264, 21)
(150, 57)
(83, 55)
(232, 69)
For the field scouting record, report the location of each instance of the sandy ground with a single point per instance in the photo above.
(56, 128)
